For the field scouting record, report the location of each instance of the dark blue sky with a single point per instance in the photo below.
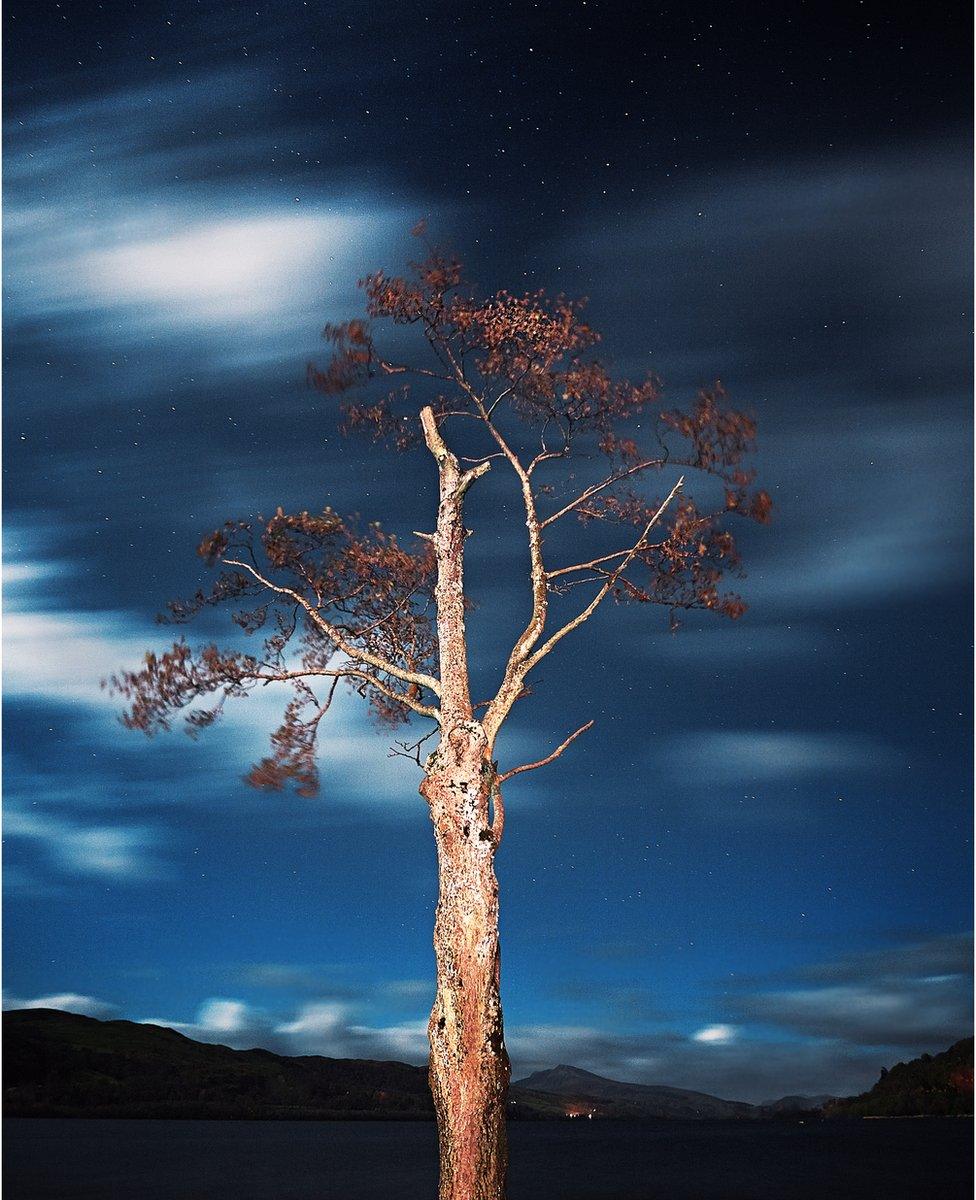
(753, 876)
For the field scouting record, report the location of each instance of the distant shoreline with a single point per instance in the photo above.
(65, 1066)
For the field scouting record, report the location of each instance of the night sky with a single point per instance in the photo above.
(753, 876)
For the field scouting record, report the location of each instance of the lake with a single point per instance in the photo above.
(581, 1160)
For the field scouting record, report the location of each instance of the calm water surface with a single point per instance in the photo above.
(268, 1160)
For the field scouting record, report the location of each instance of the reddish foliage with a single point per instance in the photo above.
(374, 593)
(517, 373)
(168, 682)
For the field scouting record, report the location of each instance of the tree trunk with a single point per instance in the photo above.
(469, 1069)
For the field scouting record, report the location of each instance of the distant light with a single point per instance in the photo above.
(716, 1035)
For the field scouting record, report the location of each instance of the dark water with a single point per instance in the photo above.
(267, 1160)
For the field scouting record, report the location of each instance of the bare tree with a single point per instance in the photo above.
(507, 380)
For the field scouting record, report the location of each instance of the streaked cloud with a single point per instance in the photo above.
(918, 996)
(127, 225)
(744, 757)
(123, 852)
(221, 270)
(60, 655)
(325, 1027)
(73, 1002)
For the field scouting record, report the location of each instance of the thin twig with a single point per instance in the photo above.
(595, 562)
(543, 762)
(599, 487)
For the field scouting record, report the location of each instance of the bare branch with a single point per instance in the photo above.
(449, 590)
(344, 672)
(595, 562)
(544, 762)
(512, 683)
(481, 458)
(410, 750)
(389, 368)
(324, 708)
(611, 580)
(357, 654)
(432, 435)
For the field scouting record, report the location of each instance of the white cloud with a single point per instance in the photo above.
(318, 1022)
(411, 989)
(215, 270)
(53, 652)
(318, 1027)
(225, 1021)
(121, 852)
(925, 1013)
(16, 574)
(227, 1015)
(866, 537)
(73, 1002)
(918, 996)
(130, 249)
(750, 756)
(714, 1060)
(716, 1035)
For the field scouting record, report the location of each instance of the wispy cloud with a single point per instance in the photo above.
(726, 1066)
(875, 533)
(126, 221)
(917, 996)
(328, 1027)
(62, 656)
(716, 1035)
(735, 1068)
(860, 402)
(951, 954)
(745, 757)
(86, 1006)
(123, 852)
(862, 236)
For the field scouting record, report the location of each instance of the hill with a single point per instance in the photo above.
(796, 1104)
(62, 1064)
(930, 1086)
(65, 1065)
(583, 1092)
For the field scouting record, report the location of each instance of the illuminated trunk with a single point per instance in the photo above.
(469, 1068)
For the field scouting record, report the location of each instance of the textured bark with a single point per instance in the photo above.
(469, 1069)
